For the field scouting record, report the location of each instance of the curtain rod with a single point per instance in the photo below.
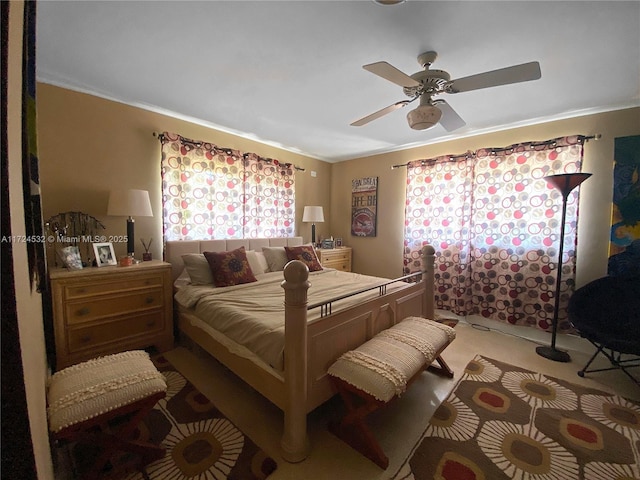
(583, 138)
(158, 135)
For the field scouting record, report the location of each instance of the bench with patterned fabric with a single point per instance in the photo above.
(101, 402)
(380, 370)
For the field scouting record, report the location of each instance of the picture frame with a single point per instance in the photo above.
(104, 254)
(327, 244)
(70, 257)
(338, 242)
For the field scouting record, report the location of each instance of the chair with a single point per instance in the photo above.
(101, 402)
(606, 312)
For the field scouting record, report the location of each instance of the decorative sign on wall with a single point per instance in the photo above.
(364, 202)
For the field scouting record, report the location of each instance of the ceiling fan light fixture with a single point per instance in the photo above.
(388, 2)
(424, 117)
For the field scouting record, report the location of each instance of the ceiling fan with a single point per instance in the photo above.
(428, 83)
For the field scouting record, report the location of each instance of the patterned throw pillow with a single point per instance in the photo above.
(230, 268)
(306, 254)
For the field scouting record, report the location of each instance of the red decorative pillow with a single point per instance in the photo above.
(306, 254)
(230, 268)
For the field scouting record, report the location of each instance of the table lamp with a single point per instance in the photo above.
(129, 203)
(313, 214)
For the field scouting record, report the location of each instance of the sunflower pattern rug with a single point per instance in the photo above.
(506, 422)
(201, 443)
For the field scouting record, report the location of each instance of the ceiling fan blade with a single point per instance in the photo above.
(450, 120)
(380, 113)
(494, 78)
(391, 73)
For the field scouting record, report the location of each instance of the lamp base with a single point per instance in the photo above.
(553, 354)
(130, 243)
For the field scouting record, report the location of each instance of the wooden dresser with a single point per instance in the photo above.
(98, 311)
(338, 258)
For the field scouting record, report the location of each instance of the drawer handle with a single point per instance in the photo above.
(85, 338)
(83, 311)
(151, 323)
(82, 290)
(148, 300)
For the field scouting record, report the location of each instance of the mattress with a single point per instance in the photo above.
(252, 314)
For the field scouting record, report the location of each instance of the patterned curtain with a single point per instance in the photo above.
(495, 223)
(212, 192)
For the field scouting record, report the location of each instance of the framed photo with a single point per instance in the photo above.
(338, 242)
(104, 254)
(70, 257)
(327, 243)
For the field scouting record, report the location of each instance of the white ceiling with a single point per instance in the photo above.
(289, 73)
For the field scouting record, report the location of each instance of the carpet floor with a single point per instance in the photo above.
(399, 428)
(201, 443)
(504, 422)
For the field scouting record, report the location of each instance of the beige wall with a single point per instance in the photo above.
(28, 301)
(382, 255)
(89, 145)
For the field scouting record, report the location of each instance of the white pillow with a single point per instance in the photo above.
(198, 268)
(183, 280)
(257, 262)
(276, 258)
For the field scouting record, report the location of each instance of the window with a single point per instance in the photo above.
(495, 223)
(210, 192)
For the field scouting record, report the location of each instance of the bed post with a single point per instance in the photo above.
(294, 443)
(428, 276)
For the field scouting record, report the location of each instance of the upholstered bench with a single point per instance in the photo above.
(380, 370)
(102, 401)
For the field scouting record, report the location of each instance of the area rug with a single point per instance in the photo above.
(506, 422)
(201, 443)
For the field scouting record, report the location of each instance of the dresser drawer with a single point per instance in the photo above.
(105, 306)
(99, 334)
(338, 258)
(344, 264)
(100, 288)
(99, 311)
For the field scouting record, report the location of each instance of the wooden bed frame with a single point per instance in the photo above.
(310, 346)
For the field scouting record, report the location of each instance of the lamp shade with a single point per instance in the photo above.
(565, 182)
(129, 203)
(313, 214)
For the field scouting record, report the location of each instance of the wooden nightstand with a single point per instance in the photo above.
(98, 311)
(338, 258)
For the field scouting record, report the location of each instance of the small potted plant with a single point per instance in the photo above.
(146, 256)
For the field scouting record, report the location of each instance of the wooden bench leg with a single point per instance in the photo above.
(352, 429)
(443, 370)
(96, 432)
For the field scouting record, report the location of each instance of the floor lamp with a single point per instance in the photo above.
(565, 182)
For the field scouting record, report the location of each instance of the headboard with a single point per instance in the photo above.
(175, 249)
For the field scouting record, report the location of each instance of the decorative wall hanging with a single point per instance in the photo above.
(77, 229)
(364, 206)
(625, 213)
(30, 173)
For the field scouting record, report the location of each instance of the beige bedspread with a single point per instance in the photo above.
(252, 314)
